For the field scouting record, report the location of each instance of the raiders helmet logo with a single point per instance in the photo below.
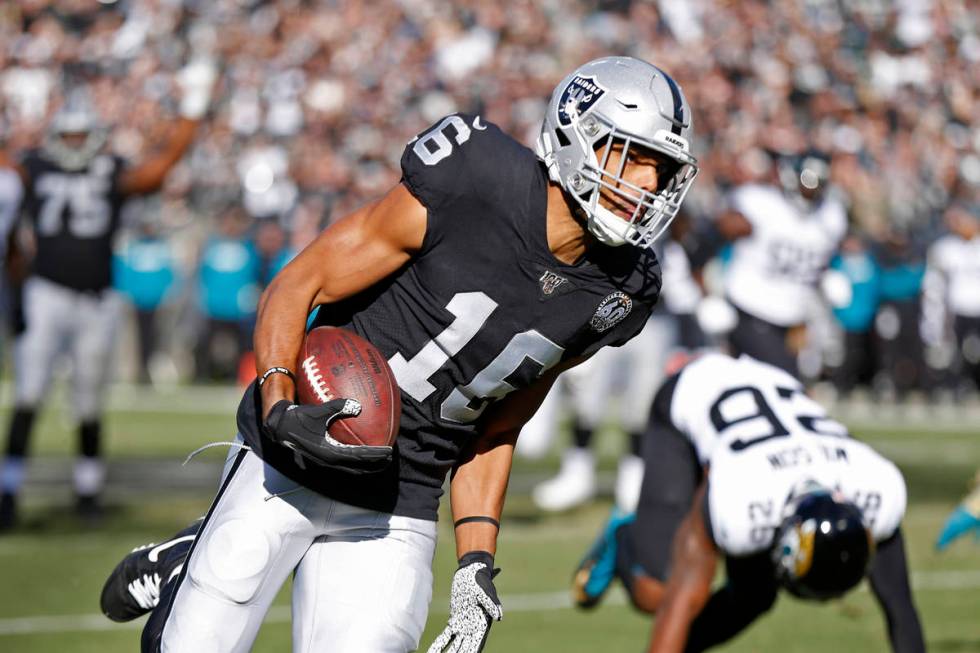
(612, 310)
(578, 98)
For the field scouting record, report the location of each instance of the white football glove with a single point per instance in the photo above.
(473, 606)
(196, 81)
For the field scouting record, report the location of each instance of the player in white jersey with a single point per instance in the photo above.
(784, 238)
(951, 291)
(951, 295)
(741, 463)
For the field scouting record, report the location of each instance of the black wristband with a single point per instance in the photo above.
(276, 370)
(480, 518)
(478, 556)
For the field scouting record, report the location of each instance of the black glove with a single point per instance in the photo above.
(473, 606)
(304, 430)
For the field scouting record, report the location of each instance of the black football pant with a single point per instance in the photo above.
(762, 341)
(898, 345)
(967, 332)
(673, 474)
(857, 366)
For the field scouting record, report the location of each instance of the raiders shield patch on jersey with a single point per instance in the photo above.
(577, 98)
(612, 310)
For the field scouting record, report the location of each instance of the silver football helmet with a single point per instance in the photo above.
(75, 117)
(630, 102)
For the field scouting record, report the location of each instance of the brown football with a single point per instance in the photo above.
(336, 363)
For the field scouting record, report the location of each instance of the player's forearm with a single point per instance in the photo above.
(351, 255)
(148, 176)
(7, 160)
(478, 488)
(279, 329)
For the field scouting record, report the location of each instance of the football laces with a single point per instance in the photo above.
(313, 375)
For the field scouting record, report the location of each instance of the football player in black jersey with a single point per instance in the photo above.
(73, 194)
(454, 276)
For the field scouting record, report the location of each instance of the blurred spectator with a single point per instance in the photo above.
(898, 343)
(888, 90)
(273, 254)
(144, 271)
(273, 250)
(229, 293)
(856, 317)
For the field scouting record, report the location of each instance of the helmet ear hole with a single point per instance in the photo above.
(562, 138)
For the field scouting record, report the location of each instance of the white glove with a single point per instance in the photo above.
(196, 80)
(715, 316)
(836, 288)
(473, 606)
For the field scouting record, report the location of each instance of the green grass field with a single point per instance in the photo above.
(52, 569)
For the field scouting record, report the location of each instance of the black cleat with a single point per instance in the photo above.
(8, 511)
(133, 587)
(89, 509)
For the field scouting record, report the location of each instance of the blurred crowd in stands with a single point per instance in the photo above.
(316, 100)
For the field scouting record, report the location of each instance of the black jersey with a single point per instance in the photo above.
(483, 309)
(75, 214)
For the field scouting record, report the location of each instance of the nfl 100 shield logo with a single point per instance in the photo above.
(578, 98)
(612, 310)
(550, 282)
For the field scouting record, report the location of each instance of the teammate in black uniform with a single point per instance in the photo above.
(486, 272)
(73, 193)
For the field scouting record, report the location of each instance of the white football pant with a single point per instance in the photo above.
(59, 320)
(363, 579)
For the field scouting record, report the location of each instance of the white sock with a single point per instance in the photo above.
(88, 475)
(629, 480)
(578, 457)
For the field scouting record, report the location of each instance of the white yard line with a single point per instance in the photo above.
(967, 579)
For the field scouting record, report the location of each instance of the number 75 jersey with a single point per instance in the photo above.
(75, 214)
(761, 437)
(484, 308)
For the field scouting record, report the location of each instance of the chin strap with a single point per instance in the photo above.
(607, 227)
